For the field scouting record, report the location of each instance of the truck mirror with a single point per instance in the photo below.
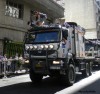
(32, 36)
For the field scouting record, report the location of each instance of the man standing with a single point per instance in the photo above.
(40, 18)
(4, 63)
(16, 62)
(1, 57)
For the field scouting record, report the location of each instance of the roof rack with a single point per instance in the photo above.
(44, 26)
(72, 23)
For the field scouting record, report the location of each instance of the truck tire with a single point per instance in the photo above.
(69, 78)
(35, 78)
(90, 68)
(87, 71)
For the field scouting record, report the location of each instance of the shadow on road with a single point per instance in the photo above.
(48, 86)
(96, 68)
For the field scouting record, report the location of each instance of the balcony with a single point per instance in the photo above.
(50, 7)
(60, 2)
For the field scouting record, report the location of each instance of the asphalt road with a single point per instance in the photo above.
(88, 85)
(22, 85)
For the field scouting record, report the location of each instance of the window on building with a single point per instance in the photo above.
(14, 9)
(99, 19)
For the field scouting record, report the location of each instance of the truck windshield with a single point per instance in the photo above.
(41, 37)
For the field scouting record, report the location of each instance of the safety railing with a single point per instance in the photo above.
(12, 67)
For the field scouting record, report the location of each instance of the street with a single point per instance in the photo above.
(88, 85)
(22, 85)
(53, 43)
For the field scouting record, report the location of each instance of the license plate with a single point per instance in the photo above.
(38, 65)
(53, 67)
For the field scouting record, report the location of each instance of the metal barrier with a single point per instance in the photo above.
(11, 47)
(14, 67)
(0, 67)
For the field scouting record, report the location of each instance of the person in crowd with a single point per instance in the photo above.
(9, 64)
(4, 64)
(1, 57)
(16, 62)
(13, 64)
(21, 60)
(26, 65)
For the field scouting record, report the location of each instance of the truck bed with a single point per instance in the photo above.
(86, 58)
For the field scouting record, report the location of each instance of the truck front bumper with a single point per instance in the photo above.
(45, 67)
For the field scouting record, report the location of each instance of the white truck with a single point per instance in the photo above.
(92, 48)
(57, 51)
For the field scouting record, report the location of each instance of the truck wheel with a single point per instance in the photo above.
(35, 78)
(87, 71)
(90, 68)
(69, 78)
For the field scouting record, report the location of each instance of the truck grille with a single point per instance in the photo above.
(42, 52)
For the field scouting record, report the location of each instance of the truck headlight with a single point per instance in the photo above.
(27, 47)
(35, 47)
(51, 46)
(26, 61)
(31, 47)
(42, 46)
(56, 62)
(46, 46)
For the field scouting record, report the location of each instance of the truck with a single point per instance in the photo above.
(57, 51)
(92, 48)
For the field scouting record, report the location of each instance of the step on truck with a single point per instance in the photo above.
(57, 51)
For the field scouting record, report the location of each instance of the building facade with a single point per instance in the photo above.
(86, 13)
(98, 17)
(14, 15)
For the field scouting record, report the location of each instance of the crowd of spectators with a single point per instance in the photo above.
(12, 64)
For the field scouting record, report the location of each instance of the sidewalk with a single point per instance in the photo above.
(12, 74)
(14, 80)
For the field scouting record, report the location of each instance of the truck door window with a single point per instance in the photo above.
(65, 34)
